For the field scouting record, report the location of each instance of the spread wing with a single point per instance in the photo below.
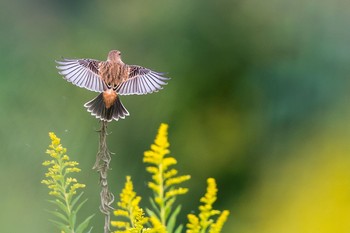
(82, 73)
(141, 81)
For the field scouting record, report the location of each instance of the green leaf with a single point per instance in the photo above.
(151, 213)
(154, 206)
(76, 199)
(59, 215)
(80, 205)
(172, 219)
(179, 229)
(167, 211)
(60, 204)
(168, 206)
(82, 226)
(72, 219)
(69, 197)
(61, 226)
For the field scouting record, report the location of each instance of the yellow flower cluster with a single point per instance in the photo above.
(163, 179)
(161, 176)
(133, 217)
(157, 226)
(162, 216)
(204, 221)
(129, 210)
(59, 167)
(63, 187)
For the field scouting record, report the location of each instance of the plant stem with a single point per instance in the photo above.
(161, 195)
(103, 159)
(65, 194)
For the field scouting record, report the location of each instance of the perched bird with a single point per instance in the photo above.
(111, 78)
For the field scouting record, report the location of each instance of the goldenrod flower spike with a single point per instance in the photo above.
(193, 226)
(64, 187)
(157, 226)
(131, 215)
(217, 226)
(163, 182)
(204, 221)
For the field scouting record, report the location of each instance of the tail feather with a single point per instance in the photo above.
(97, 108)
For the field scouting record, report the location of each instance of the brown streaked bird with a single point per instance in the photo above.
(111, 78)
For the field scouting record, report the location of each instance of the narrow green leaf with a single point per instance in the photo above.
(72, 219)
(69, 198)
(82, 226)
(60, 204)
(179, 229)
(59, 215)
(90, 230)
(168, 206)
(154, 206)
(61, 226)
(76, 199)
(172, 219)
(151, 213)
(80, 205)
(167, 211)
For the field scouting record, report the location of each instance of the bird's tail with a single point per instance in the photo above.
(97, 107)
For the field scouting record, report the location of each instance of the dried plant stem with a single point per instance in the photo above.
(103, 159)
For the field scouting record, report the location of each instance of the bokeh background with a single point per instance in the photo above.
(259, 100)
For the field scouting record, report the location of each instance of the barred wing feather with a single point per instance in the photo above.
(141, 81)
(82, 73)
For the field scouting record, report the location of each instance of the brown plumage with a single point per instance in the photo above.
(111, 78)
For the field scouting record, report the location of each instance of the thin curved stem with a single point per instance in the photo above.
(103, 159)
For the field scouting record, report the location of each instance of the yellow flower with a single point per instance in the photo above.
(54, 139)
(60, 167)
(205, 221)
(164, 178)
(176, 192)
(157, 226)
(193, 225)
(164, 184)
(176, 180)
(217, 226)
(131, 215)
(58, 182)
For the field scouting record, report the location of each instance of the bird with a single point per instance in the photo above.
(110, 78)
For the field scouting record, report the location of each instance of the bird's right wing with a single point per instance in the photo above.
(82, 73)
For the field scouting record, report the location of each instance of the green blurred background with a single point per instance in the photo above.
(259, 100)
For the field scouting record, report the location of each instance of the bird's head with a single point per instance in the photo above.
(114, 55)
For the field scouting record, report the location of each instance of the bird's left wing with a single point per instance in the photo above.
(82, 73)
(141, 81)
